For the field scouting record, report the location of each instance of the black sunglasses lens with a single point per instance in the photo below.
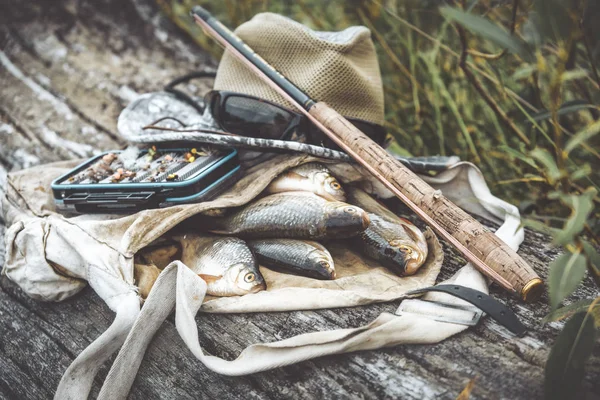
(251, 117)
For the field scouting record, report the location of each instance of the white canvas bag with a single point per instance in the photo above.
(52, 257)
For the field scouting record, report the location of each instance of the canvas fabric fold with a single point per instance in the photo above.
(53, 257)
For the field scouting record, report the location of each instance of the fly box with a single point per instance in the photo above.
(133, 180)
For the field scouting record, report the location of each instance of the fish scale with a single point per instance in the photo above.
(395, 243)
(374, 242)
(297, 215)
(301, 257)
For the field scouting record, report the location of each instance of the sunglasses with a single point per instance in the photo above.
(246, 115)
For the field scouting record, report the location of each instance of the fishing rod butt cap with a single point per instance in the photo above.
(532, 291)
(200, 12)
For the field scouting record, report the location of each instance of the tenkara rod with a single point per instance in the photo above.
(488, 253)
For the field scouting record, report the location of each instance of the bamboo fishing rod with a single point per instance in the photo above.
(487, 252)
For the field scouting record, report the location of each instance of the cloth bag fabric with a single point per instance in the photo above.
(52, 257)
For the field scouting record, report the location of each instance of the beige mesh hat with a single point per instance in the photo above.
(339, 68)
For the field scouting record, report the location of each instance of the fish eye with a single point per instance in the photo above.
(249, 277)
(335, 185)
(350, 210)
(405, 249)
(324, 264)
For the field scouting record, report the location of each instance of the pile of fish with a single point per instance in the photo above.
(280, 231)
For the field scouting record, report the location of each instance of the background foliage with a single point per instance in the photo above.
(511, 85)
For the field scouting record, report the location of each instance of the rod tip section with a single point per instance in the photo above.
(532, 291)
(200, 12)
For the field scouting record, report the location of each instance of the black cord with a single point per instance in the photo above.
(189, 77)
(170, 87)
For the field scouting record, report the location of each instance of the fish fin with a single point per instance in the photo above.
(406, 221)
(219, 231)
(288, 175)
(210, 278)
(411, 233)
(317, 245)
(288, 182)
(295, 175)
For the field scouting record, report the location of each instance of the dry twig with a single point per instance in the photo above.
(481, 90)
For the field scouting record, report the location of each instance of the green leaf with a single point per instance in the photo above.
(567, 311)
(566, 272)
(591, 253)
(565, 365)
(582, 136)
(581, 172)
(574, 74)
(532, 121)
(556, 195)
(517, 154)
(488, 30)
(554, 22)
(524, 72)
(531, 30)
(581, 205)
(546, 159)
(593, 260)
(566, 108)
(539, 226)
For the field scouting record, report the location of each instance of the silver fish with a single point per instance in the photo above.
(301, 257)
(295, 215)
(393, 241)
(225, 263)
(311, 177)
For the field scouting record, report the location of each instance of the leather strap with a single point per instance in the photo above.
(498, 311)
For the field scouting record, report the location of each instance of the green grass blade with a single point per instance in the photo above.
(488, 30)
(582, 136)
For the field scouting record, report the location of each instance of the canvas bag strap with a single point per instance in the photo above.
(177, 286)
(77, 380)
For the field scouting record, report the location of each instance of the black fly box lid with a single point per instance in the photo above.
(133, 180)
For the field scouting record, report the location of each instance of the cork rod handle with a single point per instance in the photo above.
(488, 252)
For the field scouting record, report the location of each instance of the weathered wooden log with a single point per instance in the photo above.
(90, 58)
